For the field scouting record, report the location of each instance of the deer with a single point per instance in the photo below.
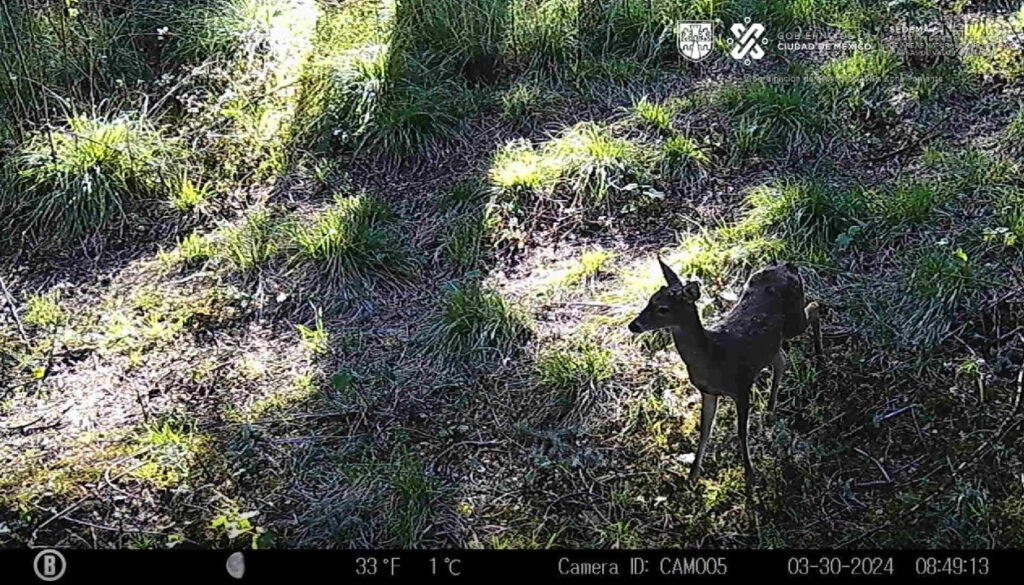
(725, 360)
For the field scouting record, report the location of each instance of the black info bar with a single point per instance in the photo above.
(471, 566)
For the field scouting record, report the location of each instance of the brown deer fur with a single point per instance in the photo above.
(724, 360)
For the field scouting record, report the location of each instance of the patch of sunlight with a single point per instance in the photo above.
(302, 388)
(727, 486)
(35, 474)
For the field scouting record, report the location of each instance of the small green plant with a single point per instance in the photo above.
(44, 311)
(681, 156)
(171, 450)
(187, 195)
(475, 321)
(573, 366)
(911, 202)
(352, 238)
(316, 339)
(657, 116)
(590, 264)
(195, 248)
(944, 274)
(253, 243)
(232, 524)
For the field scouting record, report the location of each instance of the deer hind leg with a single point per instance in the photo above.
(813, 313)
(708, 409)
(778, 366)
(742, 416)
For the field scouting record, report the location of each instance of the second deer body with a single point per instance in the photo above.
(726, 359)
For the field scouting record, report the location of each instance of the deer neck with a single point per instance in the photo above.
(690, 338)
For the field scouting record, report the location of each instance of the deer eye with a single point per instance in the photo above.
(662, 309)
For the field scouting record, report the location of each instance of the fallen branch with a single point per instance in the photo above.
(11, 305)
(932, 133)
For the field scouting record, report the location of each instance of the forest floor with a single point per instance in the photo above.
(361, 349)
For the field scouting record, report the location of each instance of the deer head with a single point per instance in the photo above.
(671, 306)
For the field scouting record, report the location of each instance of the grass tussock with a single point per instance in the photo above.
(84, 178)
(572, 366)
(584, 172)
(350, 240)
(251, 244)
(477, 325)
(771, 118)
(807, 217)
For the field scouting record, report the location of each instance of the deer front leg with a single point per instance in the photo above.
(742, 414)
(708, 408)
(778, 366)
(813, 313)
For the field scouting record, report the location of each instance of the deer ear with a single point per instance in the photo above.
(691, 291)
(670, 276)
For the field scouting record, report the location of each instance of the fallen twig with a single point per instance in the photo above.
(929, 135)
(11, 305)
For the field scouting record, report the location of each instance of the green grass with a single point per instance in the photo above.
(971, 170)
(595, 163)
(806, 217)
(1010, 204)
(44, 311)
(857, 82)
(351, 239)
(463, 195)
(943, 273)
(526, 100)
(251, 244)
(518, 169)
(590, 265)
(574, 365)
(195, 248)
(172, 447)
(990, 57)
(585, 171)
(681, 156)
(768, 118)
(942, 283)
(254, 52)
(1014, 134)
(85, 177)
(464, 238)
(187, 195)
(912, 202)
(476, 324)
(316, 339)
(656, 116)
